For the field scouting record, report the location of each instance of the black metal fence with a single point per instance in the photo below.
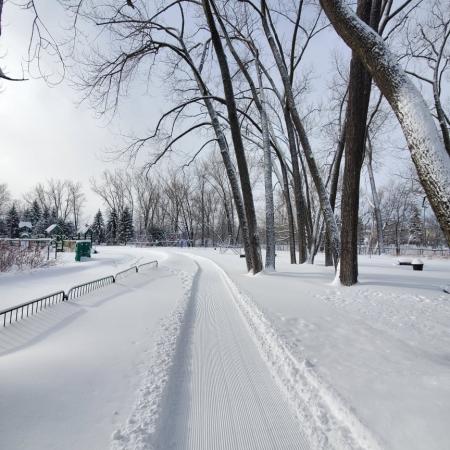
(30, 308)
(125, 272)
(147, 264)
(85, 288)
(16, 313)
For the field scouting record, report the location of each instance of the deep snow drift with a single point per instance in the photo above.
(199, 355)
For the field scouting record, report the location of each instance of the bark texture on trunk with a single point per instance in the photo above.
(298, 189)
(298, 124)
(268, 187)
(427, 150)
(333, 191)
(355, 138)
(247, 194)
(376, 199)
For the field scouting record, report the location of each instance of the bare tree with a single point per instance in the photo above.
(427, 150)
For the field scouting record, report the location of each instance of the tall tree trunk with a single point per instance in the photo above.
(238, 145)
(290, 213)
(298, 194)
(333, 190)
(427, 151)
(298, 124)
(360, 83)
(268, 187)
(229, 167)
(375, 198)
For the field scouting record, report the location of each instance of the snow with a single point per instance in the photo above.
(25, 225)
(197, 354)
(51, 228)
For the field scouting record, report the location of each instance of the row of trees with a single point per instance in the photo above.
(55, 202)
(239, 80)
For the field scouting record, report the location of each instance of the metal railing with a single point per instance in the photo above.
(85, 288)
(122, 273)
(150, 263)
(30, 308)
(16, 313)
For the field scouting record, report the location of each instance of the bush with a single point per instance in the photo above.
(20, 255)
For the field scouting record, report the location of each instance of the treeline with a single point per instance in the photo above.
(54, 202)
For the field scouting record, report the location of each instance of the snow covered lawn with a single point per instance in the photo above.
(70, 374)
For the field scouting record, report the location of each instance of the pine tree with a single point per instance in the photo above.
(3, 228)
(126, 230)
(113, 226)
(98, 227)
(36, 213)
(27, 215)
(43, 223)
(12, 222)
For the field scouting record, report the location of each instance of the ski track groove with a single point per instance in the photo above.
(225, 396)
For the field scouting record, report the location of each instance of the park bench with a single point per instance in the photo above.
(416, 263)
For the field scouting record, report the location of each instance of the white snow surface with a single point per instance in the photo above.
(197, 354)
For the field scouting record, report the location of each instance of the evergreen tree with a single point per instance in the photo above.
(113, 226)
(43, 223)
(27, 215)
(36, 213)
(126, 229)
(12, 222)
(3, 228)
(98, 228)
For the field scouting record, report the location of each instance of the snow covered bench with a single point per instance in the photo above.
(404, 261)
(416, 263)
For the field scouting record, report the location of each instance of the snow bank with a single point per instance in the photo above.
(141, 427)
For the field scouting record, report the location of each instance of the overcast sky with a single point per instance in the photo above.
(46, 133)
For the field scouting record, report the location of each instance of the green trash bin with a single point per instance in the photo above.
(82, 249)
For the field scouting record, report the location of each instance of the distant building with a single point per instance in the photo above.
(25, 229)
(53, 230)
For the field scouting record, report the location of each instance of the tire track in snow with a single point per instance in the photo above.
(221, 394)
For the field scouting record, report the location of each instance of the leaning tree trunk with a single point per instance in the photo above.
(359, 88)
(224, 151)
(333, 191)
(427, 150)
(238, 145)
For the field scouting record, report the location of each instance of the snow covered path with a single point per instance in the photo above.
(222, 395)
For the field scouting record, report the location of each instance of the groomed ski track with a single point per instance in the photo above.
(221, 394)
